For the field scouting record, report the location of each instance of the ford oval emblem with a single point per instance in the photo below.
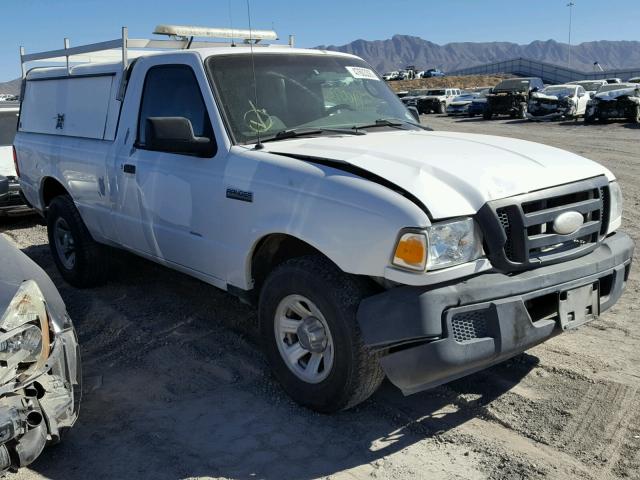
(568, 222)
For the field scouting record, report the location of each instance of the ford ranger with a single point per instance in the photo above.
(296, 180)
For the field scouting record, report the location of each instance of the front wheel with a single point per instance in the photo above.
(311, 336)
(442, 108)
(636, 118)
(487, 114)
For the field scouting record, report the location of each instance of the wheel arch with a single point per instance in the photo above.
(49, 189)
(273, 249)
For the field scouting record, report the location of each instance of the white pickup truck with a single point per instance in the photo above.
(370, 245)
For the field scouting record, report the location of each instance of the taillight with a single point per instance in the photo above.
(15, 162)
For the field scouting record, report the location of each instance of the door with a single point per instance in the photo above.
(166, 203)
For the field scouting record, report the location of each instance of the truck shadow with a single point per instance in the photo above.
(176, 387)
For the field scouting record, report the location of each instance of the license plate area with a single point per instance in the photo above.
(579, 305)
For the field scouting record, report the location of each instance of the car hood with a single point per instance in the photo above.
(546, 96)
(614, 94)
(452, 174)
(15, 268)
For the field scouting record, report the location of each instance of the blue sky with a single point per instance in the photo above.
(42, 24)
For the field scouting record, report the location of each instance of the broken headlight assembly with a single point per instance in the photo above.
(441, 245)
(24, 334)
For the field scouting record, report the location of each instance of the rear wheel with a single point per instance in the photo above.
(636, 117)
(80, 260)
(312, 339)
(487, 114)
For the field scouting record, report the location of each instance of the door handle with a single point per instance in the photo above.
(128, 168)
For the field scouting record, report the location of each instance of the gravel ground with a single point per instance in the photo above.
(176, 386)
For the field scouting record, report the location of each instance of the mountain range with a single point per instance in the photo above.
(402, 50)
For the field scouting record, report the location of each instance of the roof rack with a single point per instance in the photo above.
(180, 38)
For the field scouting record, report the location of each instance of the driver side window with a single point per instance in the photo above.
(173, 91)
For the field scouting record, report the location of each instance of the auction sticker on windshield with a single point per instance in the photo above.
(361, 72)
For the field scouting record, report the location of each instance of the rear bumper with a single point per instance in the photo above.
(435, 335)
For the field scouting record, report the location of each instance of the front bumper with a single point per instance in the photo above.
(34, 413)
(435, 335)
(560, 112)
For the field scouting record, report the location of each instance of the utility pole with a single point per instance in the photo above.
(570, 5)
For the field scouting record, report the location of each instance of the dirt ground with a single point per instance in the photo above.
(176, 386)
(464, 81)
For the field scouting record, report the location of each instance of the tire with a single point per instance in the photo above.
(589, 119)
(522, 111)
(333, 297)
(636, 117)
(85, 263)
(487, 114)
(442, 108)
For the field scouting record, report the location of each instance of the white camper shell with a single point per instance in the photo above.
(296, 180)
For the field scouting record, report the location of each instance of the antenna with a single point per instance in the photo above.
(233, 43)
(259, 145)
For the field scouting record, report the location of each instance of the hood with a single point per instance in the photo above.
(16, 268)
(544, 96)
(452, 174)
(613, 94)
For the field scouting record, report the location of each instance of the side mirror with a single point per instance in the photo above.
(416, 114)
(175, 135)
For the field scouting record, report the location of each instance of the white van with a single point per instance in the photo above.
(296, 180)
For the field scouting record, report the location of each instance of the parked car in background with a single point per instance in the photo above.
(511, 97)
(403, 93)
(479, 103)
(558, 101)
(615, 101)
(40, 374)
(436, 100)
(614, 80)
(4, 187)
(432, 73)
(590, 86)
(460, 104)
(14, 202)
(390, 76)
(634, 80)
(369, 245)
(411, 99)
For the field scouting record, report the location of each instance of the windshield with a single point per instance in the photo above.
(299, 91)
(436, 93)
(417, 93)
(560, 91)
(513, 84)
(8, 126)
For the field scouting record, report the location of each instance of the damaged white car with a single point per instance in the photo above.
(558, 101)
(615, 101)
(39, 361)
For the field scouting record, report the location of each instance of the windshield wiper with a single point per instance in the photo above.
(389, 122)
(299, 132)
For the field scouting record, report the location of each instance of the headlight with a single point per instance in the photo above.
(24, 332)
(453, 243)
(615, 207)
(442, 245)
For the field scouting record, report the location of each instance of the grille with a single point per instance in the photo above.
(469, 326)
(525, 224)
